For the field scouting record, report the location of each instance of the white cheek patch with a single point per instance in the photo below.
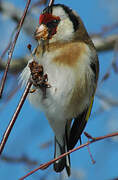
(65, 29)
(58, 11)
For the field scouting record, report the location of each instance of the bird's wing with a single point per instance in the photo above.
(79, 125)
(81, 120)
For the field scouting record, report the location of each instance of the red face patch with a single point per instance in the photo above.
(51, 23)
(45, 18)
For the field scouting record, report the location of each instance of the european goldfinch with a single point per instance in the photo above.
(69, 59)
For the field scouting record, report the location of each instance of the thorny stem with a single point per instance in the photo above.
(43, 166)
(12, 48)
(13, 120)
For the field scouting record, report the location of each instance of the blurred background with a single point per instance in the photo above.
(31, 140)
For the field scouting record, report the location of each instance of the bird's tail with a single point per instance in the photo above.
(63, 162)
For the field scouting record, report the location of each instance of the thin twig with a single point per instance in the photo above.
(51, 2)
(115, 58)
(9, 44)
(13, 120)
(46, 144)
(23, 159)
(92, 138)
(9, 96)
(101, 44)
(12, 48)
(113, 65)
(15, 13)
(92, 159)
(105, 30)
(43, 166)
(39, 3)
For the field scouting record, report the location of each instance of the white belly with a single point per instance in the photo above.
(67, 96)
(57, 98)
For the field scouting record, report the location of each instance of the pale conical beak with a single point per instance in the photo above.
(41, 32)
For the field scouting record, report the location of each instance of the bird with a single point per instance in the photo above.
(69, 59)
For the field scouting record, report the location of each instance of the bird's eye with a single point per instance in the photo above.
(53, 23)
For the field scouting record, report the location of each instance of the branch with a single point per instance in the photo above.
(39, 3)
(40, 80)
(106, 29)
(16, 66)
(8, 45)
(105, 44)
(51, 2)
(93, 140)
(23, 159)
(101, 44)
(110, 101)
(9, 10)
(13, 46)
(13, 120)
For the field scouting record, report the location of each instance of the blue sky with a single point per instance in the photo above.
(32, 129)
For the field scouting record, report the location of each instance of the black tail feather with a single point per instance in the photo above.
(65, 161)
(77, 129)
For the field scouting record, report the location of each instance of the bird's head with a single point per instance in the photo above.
(59, 23)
